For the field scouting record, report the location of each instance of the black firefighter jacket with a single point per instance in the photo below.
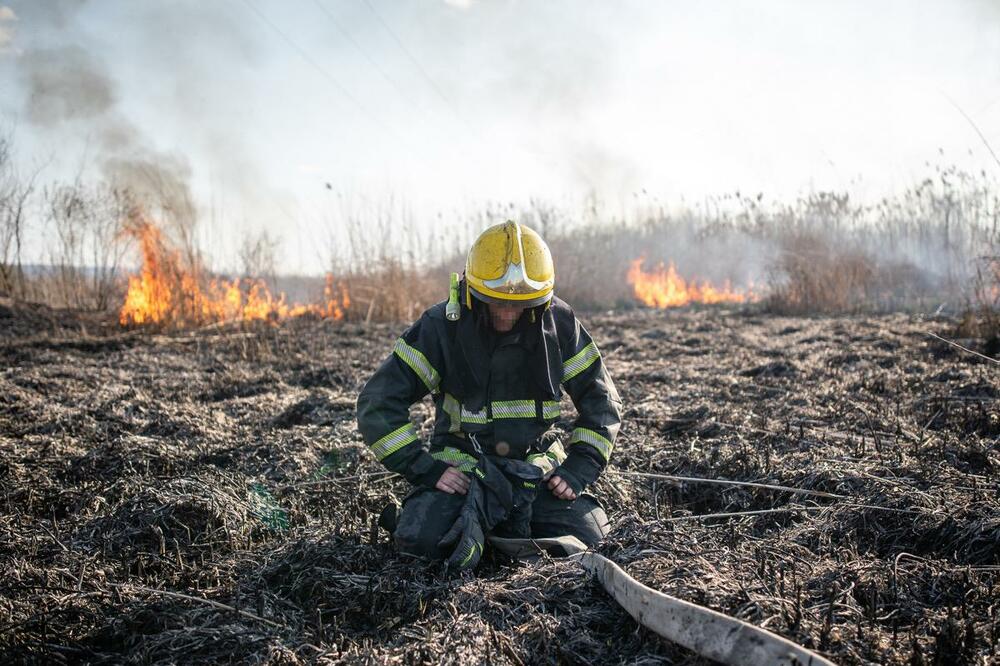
(500, 392)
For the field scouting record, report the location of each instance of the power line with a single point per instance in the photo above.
(371, 117)
(371, 61)
(413, 60)
(982, 137)
(531, 152)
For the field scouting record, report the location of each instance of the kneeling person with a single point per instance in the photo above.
(496, 358)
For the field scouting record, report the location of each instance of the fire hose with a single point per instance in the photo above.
(708, 633)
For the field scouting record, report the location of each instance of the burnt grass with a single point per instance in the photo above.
(206, 497)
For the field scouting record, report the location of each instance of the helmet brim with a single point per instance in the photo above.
(525, 303)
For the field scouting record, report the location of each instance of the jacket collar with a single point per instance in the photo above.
(472, 349)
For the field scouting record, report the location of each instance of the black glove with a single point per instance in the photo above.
(500, 495)
(466, 538)
(524, 479)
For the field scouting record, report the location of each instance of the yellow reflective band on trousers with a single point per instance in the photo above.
(513, 409)
(602, 444)
(580, 362)
(463, 461)
(454, 411)
(394, 441)
(412, 357)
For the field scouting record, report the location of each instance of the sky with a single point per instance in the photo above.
(278, 115)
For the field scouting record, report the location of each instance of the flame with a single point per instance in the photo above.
(664, 288)
(150, 298)
(167, 291)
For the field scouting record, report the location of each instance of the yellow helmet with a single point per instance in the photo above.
(510, 263)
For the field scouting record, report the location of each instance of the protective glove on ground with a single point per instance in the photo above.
(467, 536)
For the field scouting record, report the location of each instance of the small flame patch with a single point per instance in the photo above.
(663, 287)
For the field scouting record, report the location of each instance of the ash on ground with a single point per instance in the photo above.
(206, 497)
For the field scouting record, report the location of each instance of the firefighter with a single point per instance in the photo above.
(496, 358)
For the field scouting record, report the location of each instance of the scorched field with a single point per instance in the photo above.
(206, 497)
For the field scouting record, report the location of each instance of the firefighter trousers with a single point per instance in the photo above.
(427, 514)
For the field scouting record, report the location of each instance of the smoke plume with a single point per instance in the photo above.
(64, 83)
(67, 88)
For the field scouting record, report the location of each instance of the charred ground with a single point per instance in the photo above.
(206, 497)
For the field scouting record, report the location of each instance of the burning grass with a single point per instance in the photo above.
(664, 288)
(206, 497)
(172, 292)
